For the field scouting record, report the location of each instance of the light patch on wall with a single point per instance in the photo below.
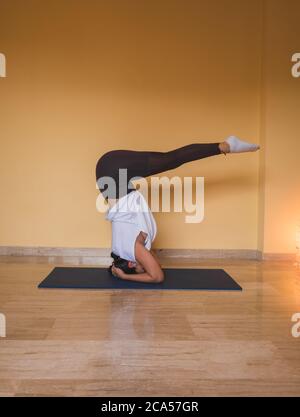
(296, 327)
(2, 325)
(296, 67)
(2, 65)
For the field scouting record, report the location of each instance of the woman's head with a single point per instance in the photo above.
(128, 267)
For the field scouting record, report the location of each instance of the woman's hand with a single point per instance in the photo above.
(152, 270)
(117, 272)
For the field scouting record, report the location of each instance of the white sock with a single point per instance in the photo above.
(237, 145)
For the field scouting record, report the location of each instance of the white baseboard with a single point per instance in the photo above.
(92, 255)
(58, 255)
(52, 251)
(279, 257)
(102, 255)
(210, 253)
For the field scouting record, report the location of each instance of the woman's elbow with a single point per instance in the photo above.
(158, 277)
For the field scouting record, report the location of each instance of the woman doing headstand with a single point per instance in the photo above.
(133, 225)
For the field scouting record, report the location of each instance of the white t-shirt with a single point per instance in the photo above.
(130, 216)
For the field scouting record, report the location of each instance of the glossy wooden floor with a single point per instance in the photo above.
(129, 343)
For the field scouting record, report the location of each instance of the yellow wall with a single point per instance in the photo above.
(84, 77)
(280, 130)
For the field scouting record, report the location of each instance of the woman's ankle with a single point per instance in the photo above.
(224, 147)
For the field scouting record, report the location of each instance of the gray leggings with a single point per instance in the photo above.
(146, 163)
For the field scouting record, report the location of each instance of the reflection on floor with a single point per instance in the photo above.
(131, 343)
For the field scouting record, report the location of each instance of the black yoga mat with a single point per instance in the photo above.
(175, 279)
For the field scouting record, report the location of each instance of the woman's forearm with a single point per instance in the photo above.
(143, 277)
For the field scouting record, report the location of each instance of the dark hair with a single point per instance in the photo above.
(122, 264)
